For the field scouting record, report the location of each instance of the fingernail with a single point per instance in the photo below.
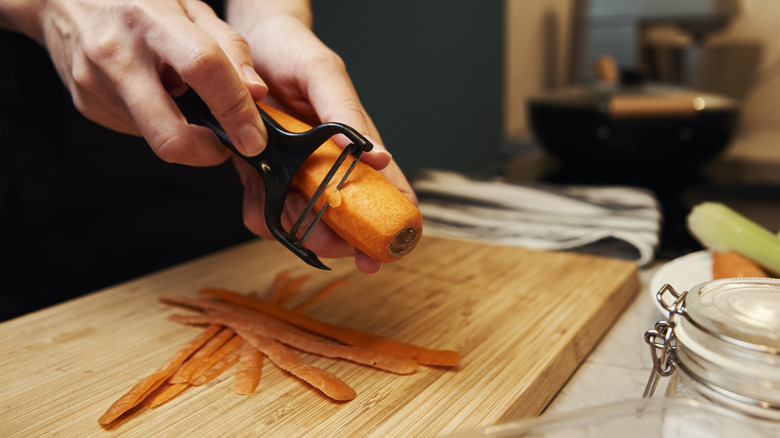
(378, 147)
(251, 75)
(252, 140)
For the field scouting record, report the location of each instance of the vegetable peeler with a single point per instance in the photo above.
(277, 164)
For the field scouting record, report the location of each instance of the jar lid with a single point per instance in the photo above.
(745, 310)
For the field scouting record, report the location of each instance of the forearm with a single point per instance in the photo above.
(22, 16)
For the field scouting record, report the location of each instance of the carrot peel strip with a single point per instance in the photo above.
(165, 393)
(287, 360)
(322, 293)
(294, 337)
(144, 387)
(224, 363)
(346, 335)
(278, 287)
(182, 375)
(249, 368)
(291, 290)
(225, 349)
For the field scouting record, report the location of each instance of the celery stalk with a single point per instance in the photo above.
(720, 228)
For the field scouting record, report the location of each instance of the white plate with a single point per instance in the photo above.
(682, 274)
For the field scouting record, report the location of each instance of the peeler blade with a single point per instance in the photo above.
(285, 152)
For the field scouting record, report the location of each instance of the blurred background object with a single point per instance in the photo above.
(430, 74)
(726, 48)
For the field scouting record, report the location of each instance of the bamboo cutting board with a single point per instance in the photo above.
(523, 321)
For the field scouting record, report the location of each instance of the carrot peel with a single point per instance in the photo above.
(150, 383)
(346, 335)
(249, 368)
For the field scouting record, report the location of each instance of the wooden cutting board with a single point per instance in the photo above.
(523, 321)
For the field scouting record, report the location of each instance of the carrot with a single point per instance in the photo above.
(182, 375)
(205, 362)
(370, 213)
(278, 286)
(248, 370)
(218, 368)
(225, 349)
(344, 334)
(287, 360)
(731, 264)
(290, 290)
(144, 387)
(322, 293)
(165, 393)
(294, 337)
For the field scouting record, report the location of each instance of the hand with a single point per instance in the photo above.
(120, 59)
(310, 81)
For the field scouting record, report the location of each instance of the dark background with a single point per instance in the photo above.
(430, 74)
(83, 208)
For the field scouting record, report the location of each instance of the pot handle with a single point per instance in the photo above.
(684, 105)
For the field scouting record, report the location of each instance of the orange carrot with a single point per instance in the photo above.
(290, 291)
(225, 349)
(150, 383)
(294, 337)
(731, 264)
(248, 370)
(346, 335)
(182, 375)
(371, 213)
(165, 393)
(322, 293)
(224, 363)
(278, 286)
(287, 360)
(170, 390)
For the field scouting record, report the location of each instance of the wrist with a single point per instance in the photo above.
(247, 13)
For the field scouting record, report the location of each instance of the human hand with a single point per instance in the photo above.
(121, 60)
(310, 81)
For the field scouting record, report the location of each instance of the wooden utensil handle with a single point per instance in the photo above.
(636, 106)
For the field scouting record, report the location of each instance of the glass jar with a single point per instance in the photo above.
(721, 345)
(636, 418)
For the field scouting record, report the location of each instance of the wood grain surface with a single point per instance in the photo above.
(523, 321)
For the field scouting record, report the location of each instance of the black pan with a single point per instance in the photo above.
(631, 129)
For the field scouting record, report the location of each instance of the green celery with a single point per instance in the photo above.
(720, 228)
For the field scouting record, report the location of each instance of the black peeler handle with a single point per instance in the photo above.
(277, 164)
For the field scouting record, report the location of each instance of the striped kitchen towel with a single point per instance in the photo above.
(614, 221)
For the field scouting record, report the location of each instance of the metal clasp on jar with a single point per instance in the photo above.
(661, 338)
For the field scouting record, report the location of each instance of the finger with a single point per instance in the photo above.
(349, 110)
(322, 240)
(205, 67)
(253, 200)
(378, 157)
(172, 82)
(394, 174)
(365, 263)
(232, 43)
(335, 99)
(140, 104)
(105, 111)
(94, 96)
(164, 128)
